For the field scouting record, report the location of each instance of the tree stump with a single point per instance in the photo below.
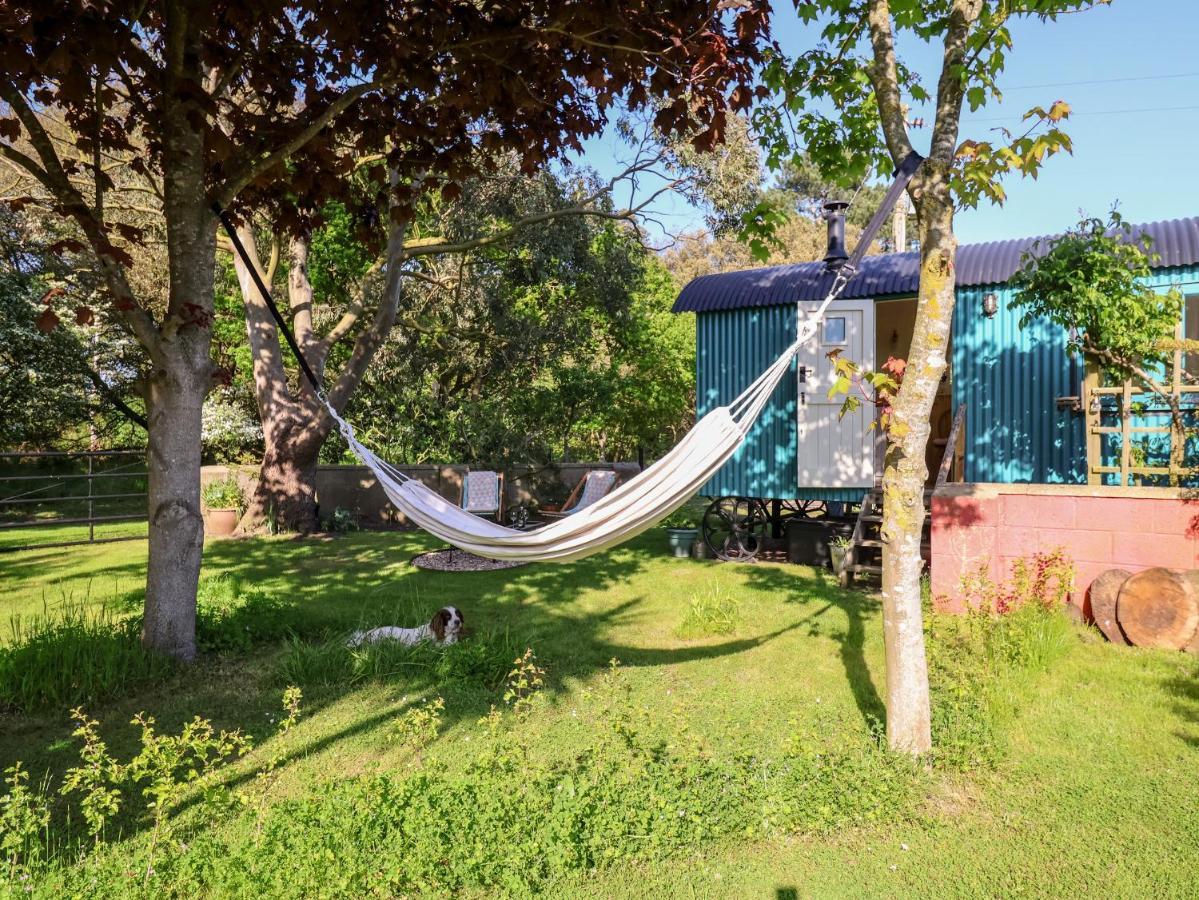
(1158, 608)
(1103, 593)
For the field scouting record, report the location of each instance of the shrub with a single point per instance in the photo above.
(78, 654)
(340, 521)
(978, 660)
(713, 612)
(224, 493)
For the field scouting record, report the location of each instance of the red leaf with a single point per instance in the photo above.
(49, 296)
(47, 321)
(124, 304)
(84, 316)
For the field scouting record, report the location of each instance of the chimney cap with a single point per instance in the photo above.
(834, 214)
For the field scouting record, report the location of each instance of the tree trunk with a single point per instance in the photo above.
(286, 490)
(176, 537)
(183, 371)
(904, 476)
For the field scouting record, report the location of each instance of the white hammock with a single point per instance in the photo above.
(625, 512)
(628, 510)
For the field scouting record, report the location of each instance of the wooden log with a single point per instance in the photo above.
(1103, 593)
(1193, 644)
(1158, 608)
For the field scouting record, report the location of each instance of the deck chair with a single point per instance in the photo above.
(591, 487)
(483, 494)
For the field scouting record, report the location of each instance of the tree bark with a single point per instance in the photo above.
(183, 371)
(904, 476)
(905, 469)
(294, 423)
(285, 493)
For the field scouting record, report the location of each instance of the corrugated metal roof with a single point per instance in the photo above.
(1176, 241)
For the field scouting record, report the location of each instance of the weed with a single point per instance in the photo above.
(711, 613)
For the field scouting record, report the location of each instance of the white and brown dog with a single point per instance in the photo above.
(444, 628)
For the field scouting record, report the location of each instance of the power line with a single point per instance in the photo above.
(1102, 112)
(1057, 84)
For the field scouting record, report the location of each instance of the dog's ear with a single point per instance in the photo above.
(440, 619)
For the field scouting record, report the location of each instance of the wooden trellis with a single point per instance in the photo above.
(1097, 397)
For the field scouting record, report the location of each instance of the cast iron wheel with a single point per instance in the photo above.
(734, 527)
(805, 509)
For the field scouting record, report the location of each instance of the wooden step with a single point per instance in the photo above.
(860, 568)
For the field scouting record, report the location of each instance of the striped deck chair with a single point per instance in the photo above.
(483, 494)
(591, 487)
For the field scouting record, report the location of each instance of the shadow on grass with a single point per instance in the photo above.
(1184, 690)
(326, 588)
(855, 606)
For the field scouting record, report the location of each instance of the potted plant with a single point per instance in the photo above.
(838, 550)
(223, 501)
(681, 532)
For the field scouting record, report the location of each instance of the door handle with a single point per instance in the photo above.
(803, 374)
(803, 398)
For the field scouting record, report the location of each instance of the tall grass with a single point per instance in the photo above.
(72, 655)
(483, 660)
(713, 612)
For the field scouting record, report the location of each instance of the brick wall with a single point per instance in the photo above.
(1100, 528)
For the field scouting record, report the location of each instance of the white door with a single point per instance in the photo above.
(835, 452)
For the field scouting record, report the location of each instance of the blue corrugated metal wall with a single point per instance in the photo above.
(1008, 377)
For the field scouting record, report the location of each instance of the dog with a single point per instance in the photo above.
(444, 628)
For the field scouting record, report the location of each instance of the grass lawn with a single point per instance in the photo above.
(1092, 790)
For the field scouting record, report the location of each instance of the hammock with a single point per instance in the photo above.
(627, 511)
(638, 503)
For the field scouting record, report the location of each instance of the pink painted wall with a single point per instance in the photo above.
(1100, 528)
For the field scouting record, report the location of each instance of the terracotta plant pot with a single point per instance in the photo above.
(220, 522)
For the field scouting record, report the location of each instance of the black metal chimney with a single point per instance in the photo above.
(834, 214)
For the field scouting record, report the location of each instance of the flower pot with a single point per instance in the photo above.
(680, 540)
(220, 522)
(838, 555)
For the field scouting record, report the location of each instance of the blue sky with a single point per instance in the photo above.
(1130, 71)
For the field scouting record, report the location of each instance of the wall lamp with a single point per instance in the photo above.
(990, 304)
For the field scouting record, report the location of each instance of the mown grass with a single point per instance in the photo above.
(1065, 765)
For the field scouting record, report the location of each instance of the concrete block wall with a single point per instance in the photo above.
(1100, 528)
(355, 488)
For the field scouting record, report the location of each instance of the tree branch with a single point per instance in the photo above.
(884, 76)
(52, 174)
(950, 88)
(263, 160)
(114, 398)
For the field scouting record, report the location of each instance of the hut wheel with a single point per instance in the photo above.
(734, 527)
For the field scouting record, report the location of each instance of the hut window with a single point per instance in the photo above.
(834, 329)
(1190, 331)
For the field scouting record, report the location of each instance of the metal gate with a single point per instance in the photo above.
(71, 498)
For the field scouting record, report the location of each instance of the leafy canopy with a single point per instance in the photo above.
(827, 118)
(1090, 282)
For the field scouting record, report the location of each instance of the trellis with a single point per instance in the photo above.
(1138, 403)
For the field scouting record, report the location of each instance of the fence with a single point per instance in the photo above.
(71, 498)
